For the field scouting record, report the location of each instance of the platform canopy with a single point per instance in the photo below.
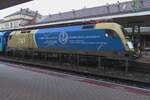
(9, 3)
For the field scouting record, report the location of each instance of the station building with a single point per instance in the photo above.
(19, 18)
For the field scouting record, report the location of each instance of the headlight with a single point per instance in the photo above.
(130, 45)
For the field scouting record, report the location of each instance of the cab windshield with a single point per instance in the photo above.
(126, 34)
(124, 31)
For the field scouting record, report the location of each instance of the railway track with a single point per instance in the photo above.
(131, 78)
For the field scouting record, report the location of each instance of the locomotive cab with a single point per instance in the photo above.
(125, 48)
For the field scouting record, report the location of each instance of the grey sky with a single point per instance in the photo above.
(46, 7)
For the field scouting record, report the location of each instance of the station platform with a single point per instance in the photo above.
(20, 83)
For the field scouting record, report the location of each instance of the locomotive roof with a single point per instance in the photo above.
(102, 25)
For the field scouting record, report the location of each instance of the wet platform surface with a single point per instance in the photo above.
(23, 84)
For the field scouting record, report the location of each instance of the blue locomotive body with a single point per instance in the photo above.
(3, 40)
(83, 38)
(102, 39)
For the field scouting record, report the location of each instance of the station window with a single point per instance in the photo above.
(11, 25)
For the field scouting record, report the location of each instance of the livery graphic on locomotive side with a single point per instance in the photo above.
(101, 39)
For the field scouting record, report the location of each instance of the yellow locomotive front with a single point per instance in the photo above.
(123, 35)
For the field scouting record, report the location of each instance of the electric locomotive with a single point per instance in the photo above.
(100, 39)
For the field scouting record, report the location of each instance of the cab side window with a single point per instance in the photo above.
(110, 33)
